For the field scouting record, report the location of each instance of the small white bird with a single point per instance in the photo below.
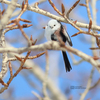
(55, 29)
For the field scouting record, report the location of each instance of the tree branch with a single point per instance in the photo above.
(7, 15)
(53, 45)
(48, 14)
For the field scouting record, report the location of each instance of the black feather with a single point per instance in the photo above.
(64, 39)
(53, 37)
(67, 63)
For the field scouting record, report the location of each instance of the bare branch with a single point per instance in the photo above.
(40, 11)
(4, 58)
(88, 85)
(52, 45)
(88, 10)
(30, 57)
(7, 15)
(75, 4)
(97, 83)
(38, 96)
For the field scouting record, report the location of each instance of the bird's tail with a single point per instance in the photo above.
(67, 63)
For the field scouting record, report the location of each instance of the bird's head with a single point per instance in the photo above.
(53, 25)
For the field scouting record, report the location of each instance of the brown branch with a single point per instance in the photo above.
(55, 7)
(2, 82)
(18, 58)
(7, 15)
(95, 48)
(16, 21)
(23, 33)
(82, 4)
(76, 34)
(74, 5)
(16, 27)
(27, 56)
(48, 14)
(15, 74)
(24, 20)
(53, 45)
(90, 25)
(63, 15)
(73, 24)
(3, 11)
(19, 69)
(10, 68)
(80, 32)
(63, 9)
(30, 57)
(88, 10)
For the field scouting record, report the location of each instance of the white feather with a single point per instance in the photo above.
(51, 27)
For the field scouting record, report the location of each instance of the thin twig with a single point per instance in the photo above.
(97, 83)
(30, 57)
(38, 96)
(40, 11)
(10, 68)
(7, 15)
(75, 4)
(16, 27)
(88, 10)
(54, 7)
(83, 95)
(15, 74)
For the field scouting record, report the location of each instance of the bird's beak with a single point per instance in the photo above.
(51, 27)
(43, 27)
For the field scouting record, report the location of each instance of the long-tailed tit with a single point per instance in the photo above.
(55, 30)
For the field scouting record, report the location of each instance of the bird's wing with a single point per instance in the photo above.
(67, 36)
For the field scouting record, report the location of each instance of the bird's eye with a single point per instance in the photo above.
(54, 25)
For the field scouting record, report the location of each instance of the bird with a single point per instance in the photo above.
(55, 30)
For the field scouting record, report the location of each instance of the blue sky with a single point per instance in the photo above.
(79, 73)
